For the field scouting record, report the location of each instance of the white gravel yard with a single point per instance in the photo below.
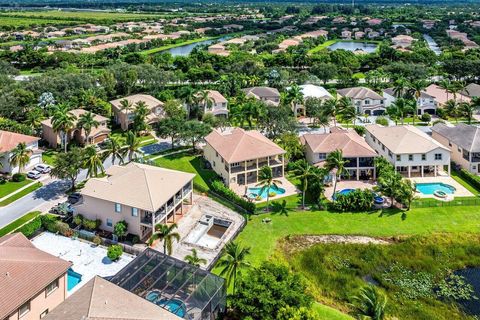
(88, 260)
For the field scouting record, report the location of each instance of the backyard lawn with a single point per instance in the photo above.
(10, 186)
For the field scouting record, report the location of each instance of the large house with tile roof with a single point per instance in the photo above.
(9, 141)
(125, 118)
(365, 100)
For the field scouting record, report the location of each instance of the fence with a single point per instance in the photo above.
(88, 236)
(453, 203)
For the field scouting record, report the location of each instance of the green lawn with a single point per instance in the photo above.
(187, 162)
(322, 46)
(10, 186)
(17, 223)
(48, 156)
(454, 174)
(328, 313)
(20, 194)
(174, 45)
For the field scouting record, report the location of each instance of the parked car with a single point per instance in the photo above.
(34, 174)
(74, 198)
(43, 168)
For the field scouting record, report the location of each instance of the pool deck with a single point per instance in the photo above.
(290, 189)
(460, 191)
(88, 260)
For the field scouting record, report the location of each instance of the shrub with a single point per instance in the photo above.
(114, 252)
(438, 121)
(426, 117)
(49, 223)
(30, 228)
(97, 240)
(354, 201)
(90, 224)
(120, 229)
(219, 188)
(3, 180)
(360, 130)
(18, 177)
(63, 228)
(382, 121)
(135, 240)
(471, 178)
(78, 220)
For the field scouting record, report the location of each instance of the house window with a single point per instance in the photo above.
(459, 149)
(322, 156)
(214, 164)
(399, 157)
(24, 309)
(449, 144)
(424, 157)
(381, 101)
(383, 147)
(235, 164)
(51, 287)
(410, 157)
(367, 101)
(43, 314)
(118, 207)
(216, 154)
(390, 154)
(438, 156)
(134, 212)
(374, 140)
(109, 223)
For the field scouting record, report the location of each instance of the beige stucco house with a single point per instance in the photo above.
(365, 100)
(140, 194)
(268, 95)
(9, 141)
(32, 282)
(238, 155)
(217, 104)
(97, 134)
(125, 118)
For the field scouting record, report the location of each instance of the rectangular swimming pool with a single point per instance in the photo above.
(73, 278)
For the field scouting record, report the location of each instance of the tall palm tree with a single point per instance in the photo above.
(62, 122)
(188, 95)
(468, 109)
(166, 234)
(93, 162)
(141, 112)
(266, 181)
(403, 107)
(370, 304)
(205, 99)
(114, 149)
(232, 262)
(295, 97)
(20, 156)
(126, 106)
(446, 85)
(87, 122)
(194, 259)
(335, 161)
(451, 107)
(34, 119)
(331, 107)
(400, 87)
(416, 88)
(303, 171)
(132, 146)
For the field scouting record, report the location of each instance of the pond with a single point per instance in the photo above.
(472, 276)
(353, 46)
(186, 49)
(432, 44)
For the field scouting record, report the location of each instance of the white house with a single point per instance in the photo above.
(425, 103)
(9, 141)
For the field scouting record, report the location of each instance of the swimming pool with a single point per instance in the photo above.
(175, 306)
(73, 278)
(257, 191)
(430, 188)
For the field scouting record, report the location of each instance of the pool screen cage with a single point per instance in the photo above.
(183, 289)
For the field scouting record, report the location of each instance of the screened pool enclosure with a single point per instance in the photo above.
(185, 290)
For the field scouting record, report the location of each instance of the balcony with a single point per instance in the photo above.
(146, 219)
(365, 162)
(237, 169)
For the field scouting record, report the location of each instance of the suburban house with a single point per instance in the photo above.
(365, 100)
(216, 103)
(124, 117)
(269, 95)
(238, 155)
(33, 282)
(464, 142)
(140, 194)
(472, 90)
(402, 41)
(313, 91)
(97, 134)
(101, 299)
(355, 150)
(9, 141)
(425, 103)
(441, 96)
(410, 150)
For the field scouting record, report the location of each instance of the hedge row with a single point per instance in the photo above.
(474, 180)
(219, 188)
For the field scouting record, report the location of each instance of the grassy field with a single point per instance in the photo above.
(6, 21)
(10, 186)
(322, 46)
(20, 194)
(84, 16)
(170, 46)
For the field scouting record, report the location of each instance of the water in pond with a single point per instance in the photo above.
(353, 46)
(432, 44)
(186, 49)
(472, 276)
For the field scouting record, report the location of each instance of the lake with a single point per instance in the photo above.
(472, 276)
(186, 49)
(353, 46)
(432, 44)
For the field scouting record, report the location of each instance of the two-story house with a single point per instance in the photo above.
(238, 155)
(96, 135)
(215, 103)
(410, 150)
(365, 100)
(140, 194)
(32, 281)
(125, 116)
(9, 141)
(464, 143)
(268, 95)
(425, 103)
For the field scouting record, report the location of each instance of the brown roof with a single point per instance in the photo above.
(9, 140)
(100, 299)
(216, 96)
(351, 144)
(25, 271)
(262, 92)
(77, 113)
(360, 93)
(150, 101)
(442, 96)
(240, 145)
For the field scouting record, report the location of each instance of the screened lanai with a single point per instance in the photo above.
(185, 290)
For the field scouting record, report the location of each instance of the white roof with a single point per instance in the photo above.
(313, 91)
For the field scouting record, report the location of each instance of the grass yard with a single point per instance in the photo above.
(185, 161)
(18, 223)
(22, 22)
(48, 156)
(455, 175)
(328, 313)
(174, 45)
(20, 194)
(322, 46)
(10, 186)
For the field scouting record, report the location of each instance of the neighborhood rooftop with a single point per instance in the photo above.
(9, 140)
(360, 93)
(150, 101)
(463, 135)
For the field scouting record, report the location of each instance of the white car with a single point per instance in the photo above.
(34, 174)
(42, 168)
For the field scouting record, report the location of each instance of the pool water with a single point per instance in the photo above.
(257, 191)
(430, 188)
(175, 306)
(73, 278)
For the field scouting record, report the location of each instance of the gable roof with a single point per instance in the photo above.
(240, 145)
(441, 96)
(216, 96)
(404, 139)
(313, 91)
(25, 271)
(463, 135)
(137, 185)
(150, 101)
(10, 140)
(262, 92)
(472, 90)
(100, 299)
(360, 93)
(351, 144)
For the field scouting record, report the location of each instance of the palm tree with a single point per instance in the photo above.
(141, 112)
(331, 108)
(87, 122)
(34, 119)
(446, 85)
(126, 106)
(20, 156)
(204, 98)
(295, 97)
(416, 88)
(335, 161)
(400, 87)
(93, 162)
(166, 234)
(62, 122)
(303, 171)
(266, 181)
(403, 107)
(451, 107)
(132, 146)
(389, 184)
(468, 109)
(188, 95)
(232, 262)
(370, 304)
(114, 149)
(194, 260)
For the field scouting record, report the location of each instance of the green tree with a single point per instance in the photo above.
(170, 128)
(120, 229)
(113, 148)
(291, 144)
(406, 193)
(303, 171)
(87, 122)
(139, 120)
(166, 234)
(370, 304)
(68, 165)
(335, 161)
(294, 97)
(20, 156)
(232, 262)
(389, 183)
(92, 162)
(468, 109)
(132, 147)
(194, 131)
(194, 259)
(62, 122)
(403, 107)
(266, 181)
